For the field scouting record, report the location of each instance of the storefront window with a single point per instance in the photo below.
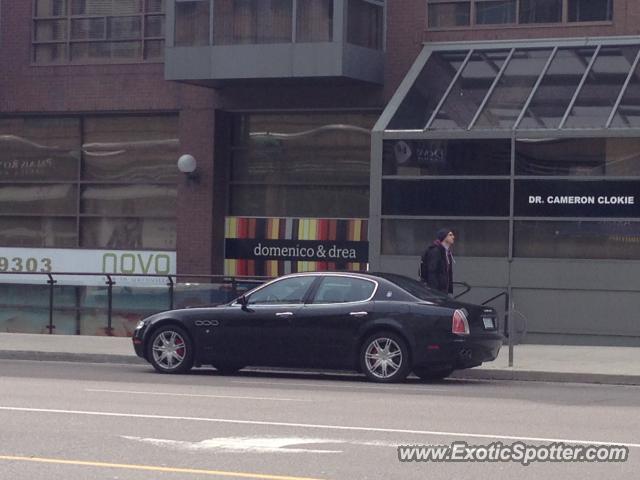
(34, 231)
(130, 149)
(607, 157)
(474, 238)
(300, 201)
(302, 164)
(110, 177)
(577, 239)
(129, 232)
(549, 186)
(452, 198)
(446, 157)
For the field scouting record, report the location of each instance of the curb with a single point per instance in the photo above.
(469, 374)
(70, 357)
(542, 376)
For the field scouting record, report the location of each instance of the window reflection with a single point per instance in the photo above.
(446, 157)
(57, 199)
(126, 166)
(365, 24)
(252, 21)
(628, 113)
(474, 238)
(513, 89)
(495, 12)
(579, 157)
(469, 90)
(540, 11)
(602, 87)
(61, 30)
(126, 233)
(308, 164)
(38, 231)
(314, 21)
(553, 95)
(418, 105)
(582, 239)
(590, 10)
(192, 23)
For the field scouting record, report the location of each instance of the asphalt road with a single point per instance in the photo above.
(98, 421)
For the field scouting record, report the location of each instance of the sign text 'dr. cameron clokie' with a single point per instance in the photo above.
(577, 198)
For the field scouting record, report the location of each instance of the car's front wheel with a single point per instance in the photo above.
(384, 357)
(170, 350)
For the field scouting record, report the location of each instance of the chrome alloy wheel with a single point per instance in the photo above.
(169, 349)
(383, 358)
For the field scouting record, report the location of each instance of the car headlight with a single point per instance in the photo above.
(140, 324)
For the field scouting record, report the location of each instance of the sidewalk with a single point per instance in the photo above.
(554, 363)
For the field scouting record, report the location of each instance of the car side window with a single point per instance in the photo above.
(283, 292)
(343, 289)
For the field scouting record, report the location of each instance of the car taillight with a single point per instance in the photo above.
(459, 323)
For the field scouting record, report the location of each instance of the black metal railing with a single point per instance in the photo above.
(178, 290)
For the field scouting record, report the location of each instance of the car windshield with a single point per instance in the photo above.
(415, 288)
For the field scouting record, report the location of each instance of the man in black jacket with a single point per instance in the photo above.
(436, 267)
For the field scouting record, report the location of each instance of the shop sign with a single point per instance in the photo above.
(576, 198)
(297, 250)
(38, 262)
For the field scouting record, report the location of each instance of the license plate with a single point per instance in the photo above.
(488, 323)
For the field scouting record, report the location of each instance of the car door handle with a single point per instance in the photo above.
(358, 314)
(284, 314)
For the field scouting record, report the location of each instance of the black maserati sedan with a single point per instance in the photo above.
(384, 325)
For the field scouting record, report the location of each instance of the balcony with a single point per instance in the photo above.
(217, 42)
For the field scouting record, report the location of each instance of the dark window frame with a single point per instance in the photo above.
(143, 40)
(473, 16)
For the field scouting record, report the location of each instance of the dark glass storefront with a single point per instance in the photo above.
(529, 151)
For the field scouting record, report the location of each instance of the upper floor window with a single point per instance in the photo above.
(233, 22)
(464, 13)
(98, 31)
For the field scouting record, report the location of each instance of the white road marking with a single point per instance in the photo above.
(319, 426)
(135, 392)
(244, 444)
(258, 444)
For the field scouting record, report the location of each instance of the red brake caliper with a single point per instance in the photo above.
(180, 351)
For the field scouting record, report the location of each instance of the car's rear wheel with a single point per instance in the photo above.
(170, 350)
(432, 374)
(384, 357)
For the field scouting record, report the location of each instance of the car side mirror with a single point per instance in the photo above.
(242, 300)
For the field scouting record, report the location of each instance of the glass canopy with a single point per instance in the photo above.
(562, 84)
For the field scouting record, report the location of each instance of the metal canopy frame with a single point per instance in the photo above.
(427, 130)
